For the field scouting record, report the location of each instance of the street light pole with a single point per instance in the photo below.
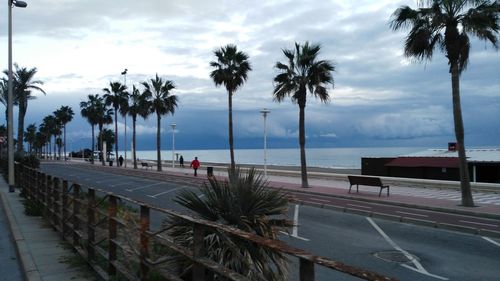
(264, 112)
(124, 73)
(10, 98)
(173, 144)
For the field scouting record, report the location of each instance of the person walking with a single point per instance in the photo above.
(181, 161)
(195, 164)
(120, 161)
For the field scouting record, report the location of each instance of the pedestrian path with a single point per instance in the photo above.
(43, 255)
(10, 268)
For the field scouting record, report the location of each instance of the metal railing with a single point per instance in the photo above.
(113, 233)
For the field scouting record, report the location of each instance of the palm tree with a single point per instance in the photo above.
(244, 202)
(231, 70)
(50, 128)
(448, 25)
(116, 96)
(138, 106)
(96, 113)
(4, 95)
(301, 73)
(87, 109)
(64, 115)
(23, 84)
(162, 102)
(104, 116)
(30, 136)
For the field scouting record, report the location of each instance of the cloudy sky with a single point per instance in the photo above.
(380, 97)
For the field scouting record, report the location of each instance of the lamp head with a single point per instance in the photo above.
(19, 4)
(125, 71)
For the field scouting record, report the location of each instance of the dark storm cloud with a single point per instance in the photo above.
(379, 95)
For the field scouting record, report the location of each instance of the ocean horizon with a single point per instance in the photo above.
(338, 158)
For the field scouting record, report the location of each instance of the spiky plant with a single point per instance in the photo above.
(243, 201)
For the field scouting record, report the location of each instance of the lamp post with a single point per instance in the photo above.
(124, 73)
(264, 112)
(173, 144)
(10, 115)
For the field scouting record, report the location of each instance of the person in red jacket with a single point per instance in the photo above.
(195, 164)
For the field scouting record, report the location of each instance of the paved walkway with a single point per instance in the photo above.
(42, 254)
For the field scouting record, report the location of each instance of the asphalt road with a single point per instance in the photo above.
(403, 251)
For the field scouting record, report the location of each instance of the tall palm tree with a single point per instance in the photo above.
(162, 102)
(303, 72)
(23, 85)
(448, 25)
(64, 115)
(96, 113)
(30, 136)
(4, 96)
(116, 96)
(243, 201)
(231, 70)
(51, 128)
(87, 109)
(138, 106)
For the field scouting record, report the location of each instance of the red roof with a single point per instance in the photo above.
(437, 162)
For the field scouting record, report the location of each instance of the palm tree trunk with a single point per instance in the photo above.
(231, 140)
(158, 154)
(134, 156)
(101, 141)
(64, 128)
(20, 126)
(465, 187)
(302, 143)
(55, 145)
(116, 134)
(93, 145)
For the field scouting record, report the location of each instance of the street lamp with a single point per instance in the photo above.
(124, 73)
(10, 115)
(173, 144)
(264, 112)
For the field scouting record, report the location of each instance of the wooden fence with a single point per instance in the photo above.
(113, 233)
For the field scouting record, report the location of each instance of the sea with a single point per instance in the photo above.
(337, 158)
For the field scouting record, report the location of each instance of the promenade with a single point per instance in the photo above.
(33, 251)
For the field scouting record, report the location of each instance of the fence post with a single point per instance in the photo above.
(144, 252)
(55, 203)
(48, 198)
(76, 213)
(91, 224)
(64, 207)
(306, 270)
(198, 251)
(112, 210)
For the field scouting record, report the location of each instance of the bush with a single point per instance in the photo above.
(31, 161)
(32, 208)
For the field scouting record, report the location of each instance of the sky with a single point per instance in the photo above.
(380, 98)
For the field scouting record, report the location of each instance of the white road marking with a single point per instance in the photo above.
(413, 214)
(479, 223)
(144, 186)
(360, 206)
(164, 192)
(418, 266)
(295, 228)
(491, 241)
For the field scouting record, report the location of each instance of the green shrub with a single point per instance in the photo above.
(32, 208)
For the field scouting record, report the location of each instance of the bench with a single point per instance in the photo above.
(146, 165)
(368, 181)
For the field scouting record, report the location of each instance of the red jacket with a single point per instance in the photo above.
(195, 164)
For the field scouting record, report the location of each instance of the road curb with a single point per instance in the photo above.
(29, 270)
(407, 205)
